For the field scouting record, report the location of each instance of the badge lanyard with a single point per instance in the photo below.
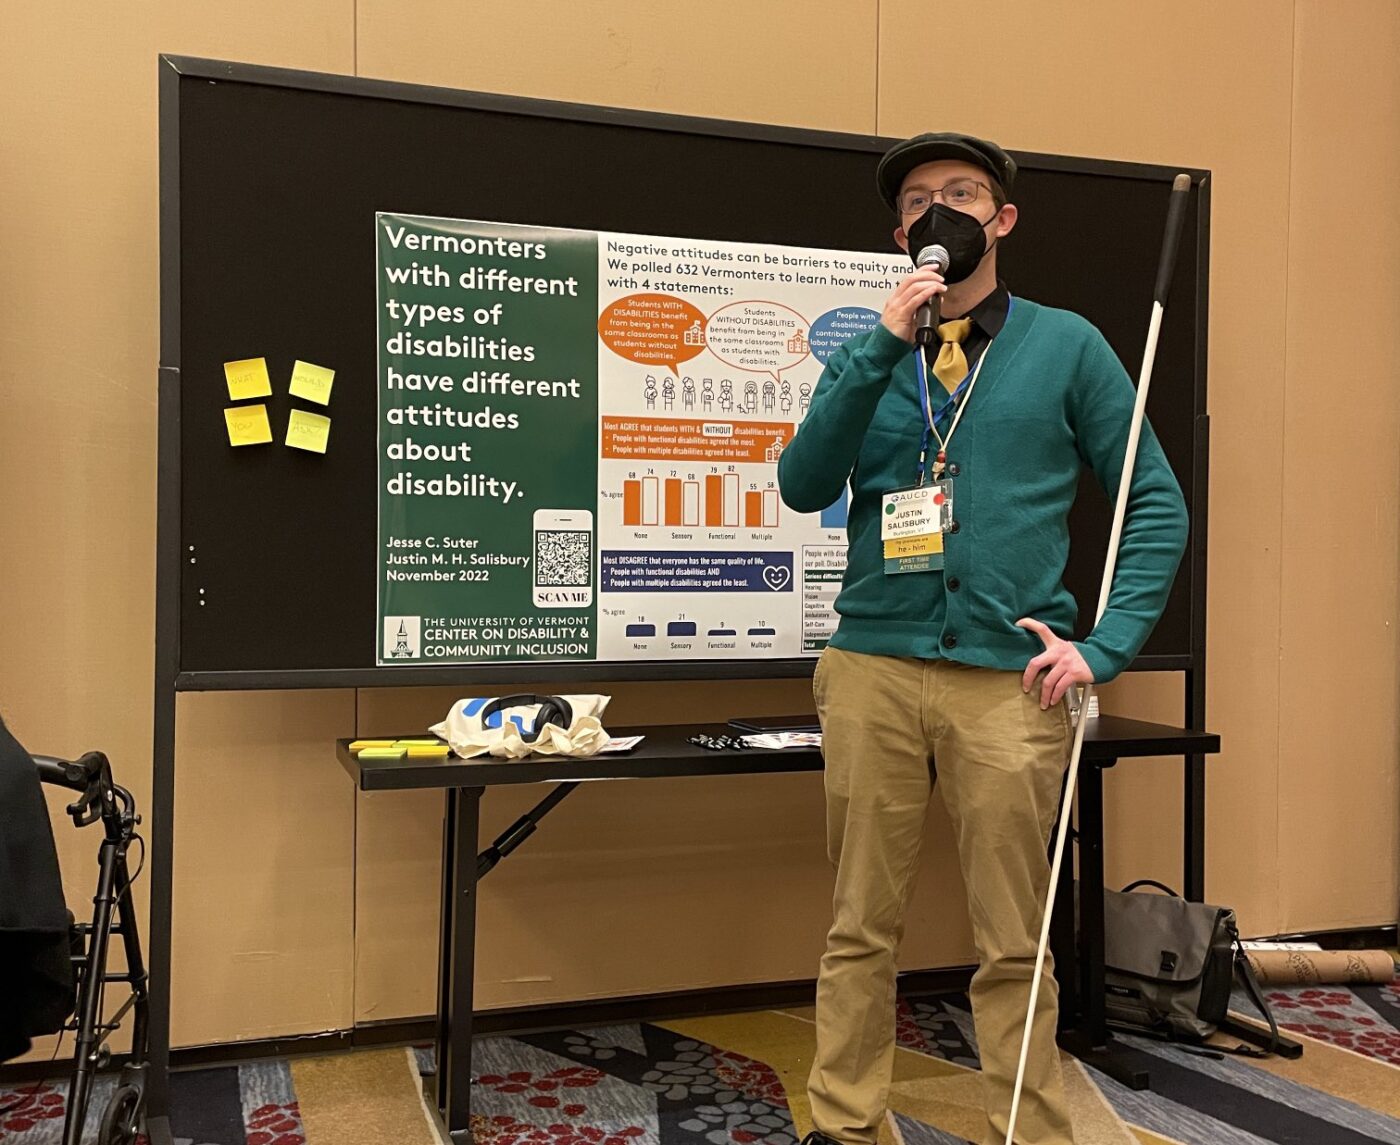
(964, 391)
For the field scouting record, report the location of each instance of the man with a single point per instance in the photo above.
(951, 659)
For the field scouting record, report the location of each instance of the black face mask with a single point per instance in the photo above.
(958, 232)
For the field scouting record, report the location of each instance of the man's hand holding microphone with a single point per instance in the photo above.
(924, 284)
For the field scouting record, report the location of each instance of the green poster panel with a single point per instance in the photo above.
(488, 441)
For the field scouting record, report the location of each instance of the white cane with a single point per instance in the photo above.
(1176, 214)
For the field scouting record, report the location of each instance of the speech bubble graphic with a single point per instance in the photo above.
(653, 329)
(836, 326)
(760, 337)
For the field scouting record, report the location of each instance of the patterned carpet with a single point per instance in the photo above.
(739, 1079)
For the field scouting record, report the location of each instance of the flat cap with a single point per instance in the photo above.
(903, 157)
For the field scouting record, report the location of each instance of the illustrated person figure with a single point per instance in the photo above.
(726, 395)
(768, 393)
(750, 396)
(688, 392)
(649, 392)
(707, 394)
(668, 392)
(952, 668)
(804, 398)
(785, 397)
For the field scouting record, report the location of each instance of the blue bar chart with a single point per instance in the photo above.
(834, 515)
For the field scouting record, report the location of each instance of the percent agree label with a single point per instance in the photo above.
(761, 337)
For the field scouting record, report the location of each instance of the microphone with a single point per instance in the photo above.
(926, 317)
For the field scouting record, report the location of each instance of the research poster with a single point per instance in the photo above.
(578, 442)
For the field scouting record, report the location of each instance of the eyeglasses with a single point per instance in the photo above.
(958, 193)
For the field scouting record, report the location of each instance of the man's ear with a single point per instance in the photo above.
(1006, 220)
(901, 239)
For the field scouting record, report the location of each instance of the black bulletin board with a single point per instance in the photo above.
(269, 184)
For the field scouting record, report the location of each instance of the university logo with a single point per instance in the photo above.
(402, 637)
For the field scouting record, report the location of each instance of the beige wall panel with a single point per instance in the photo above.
(398, 880)
(78, 357)
(1339, 798)
(264, 889)
(626, 888)
(1119, 81)
(773, 61)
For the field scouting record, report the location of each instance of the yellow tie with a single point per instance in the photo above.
(951, 365)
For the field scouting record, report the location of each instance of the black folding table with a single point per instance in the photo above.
(665, 753)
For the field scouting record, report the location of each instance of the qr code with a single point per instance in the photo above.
(563, 557)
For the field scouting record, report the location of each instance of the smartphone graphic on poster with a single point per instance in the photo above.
(563, 560)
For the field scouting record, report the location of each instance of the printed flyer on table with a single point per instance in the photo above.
(578, 442)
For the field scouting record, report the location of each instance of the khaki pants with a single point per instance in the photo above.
(890, 727)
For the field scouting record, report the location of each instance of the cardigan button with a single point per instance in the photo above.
(954, 527)
(950, 641)
(953, 469)
(953, 584)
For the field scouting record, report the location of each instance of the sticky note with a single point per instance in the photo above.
(438, 752)
(247, 425)
(361, 744)
(311, 382)
(248, 379)
(308, 431)
(419, 743)
(382, 753)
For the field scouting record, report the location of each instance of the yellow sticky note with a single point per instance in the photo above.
(248, 379)
(308, 431)
(361, 744)
(247, 425)
(382, 753)
(419, 743)
(311, 382)
(439, 752)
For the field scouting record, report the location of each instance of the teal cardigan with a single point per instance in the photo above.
(1052, 397)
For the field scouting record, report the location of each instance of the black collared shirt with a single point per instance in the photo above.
(988, 317)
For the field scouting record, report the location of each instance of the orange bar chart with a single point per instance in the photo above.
(673, 500)
(717, 501)
(731, 500)
(770, 508)
(714, 501)
(753, 510)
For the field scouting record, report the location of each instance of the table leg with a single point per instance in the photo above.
(457, 961)
(1194, 842)
(1094, 1022)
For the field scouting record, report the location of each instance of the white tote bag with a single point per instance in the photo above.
(512, 727)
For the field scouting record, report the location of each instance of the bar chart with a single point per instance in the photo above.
(834, 516)
(681, 636)
(677, 502)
